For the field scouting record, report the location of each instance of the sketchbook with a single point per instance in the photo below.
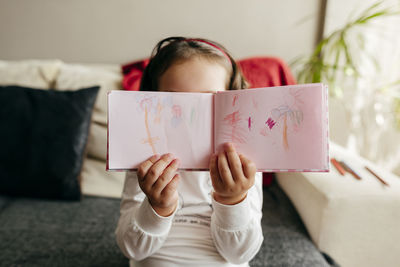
(281, 129)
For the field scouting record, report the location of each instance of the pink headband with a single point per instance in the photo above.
(211, 44)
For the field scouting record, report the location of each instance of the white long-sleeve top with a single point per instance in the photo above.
(200, 232)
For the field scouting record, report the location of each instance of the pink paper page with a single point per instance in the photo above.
(141, 124)
(279, 128)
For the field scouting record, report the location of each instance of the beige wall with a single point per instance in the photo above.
(117, 31)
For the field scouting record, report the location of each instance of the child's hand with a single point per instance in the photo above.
(232, 175)
(158, 180)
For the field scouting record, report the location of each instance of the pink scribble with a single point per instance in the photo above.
(263, 131)
(234, 100)
(176, 111)
(297, 95)
(177, 114)
(249, 123)
(236, 134)
(233, 118)
(271, 123)
(255, 104)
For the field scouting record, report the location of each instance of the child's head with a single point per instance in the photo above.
(191, 65)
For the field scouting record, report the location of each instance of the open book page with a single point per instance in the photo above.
(141, 124)
(279, 128)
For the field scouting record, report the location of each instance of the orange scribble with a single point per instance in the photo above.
(255, 104)
(234, 100)
(157, 118)
(146, 102)
(285, 141)
(177, 111)
(150, 140)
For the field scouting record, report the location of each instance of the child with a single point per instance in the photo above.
(171, 218)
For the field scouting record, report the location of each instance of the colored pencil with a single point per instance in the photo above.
(337, 166)
(350, 170)
(377, 177)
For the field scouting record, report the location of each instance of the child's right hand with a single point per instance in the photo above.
(158, 180)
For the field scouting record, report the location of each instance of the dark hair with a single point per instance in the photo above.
(173, 49)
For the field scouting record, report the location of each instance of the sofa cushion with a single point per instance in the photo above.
(107, 77)
(44, 140)
(286, 242)
(31, 73)
(38, 232)
(96, 181)
(76, 76)
(354, 221)
(58, 233)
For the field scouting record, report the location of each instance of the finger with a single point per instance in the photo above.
(235, 165)
(171, 187)
(223, 169)
(249, 168)
(166, 177)
(214, 173)
(145, 166)
(156, 171)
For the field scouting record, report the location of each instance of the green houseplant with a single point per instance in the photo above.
(336, 62)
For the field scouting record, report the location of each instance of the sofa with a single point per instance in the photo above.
(355, 221)
(79, 231)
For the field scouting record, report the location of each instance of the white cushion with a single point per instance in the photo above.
(108, 77)
(354, 221)
(29, 73)
(97, 142)
(76, 76)
(96, 181)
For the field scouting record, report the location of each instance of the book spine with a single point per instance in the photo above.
(108, 134)
(213, 123)
(326, 96)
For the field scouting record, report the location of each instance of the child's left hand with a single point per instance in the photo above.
(232, 175)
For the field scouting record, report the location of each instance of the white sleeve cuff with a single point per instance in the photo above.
(152, 223)
(231, 217)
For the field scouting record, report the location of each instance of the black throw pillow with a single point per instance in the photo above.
(43, 138)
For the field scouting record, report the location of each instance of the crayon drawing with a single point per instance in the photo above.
(284, 137)
(192, 116)
(147, 105)
(280, 129)
(249, 121)
(159, 111)
(176, 115)
(271, 123)
(255, 103)
(263, 131)
(235, 132)
(280, 115)
(150, 140)
(157, 118)
(235, 97)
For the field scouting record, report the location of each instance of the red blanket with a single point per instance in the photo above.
(259, 72)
